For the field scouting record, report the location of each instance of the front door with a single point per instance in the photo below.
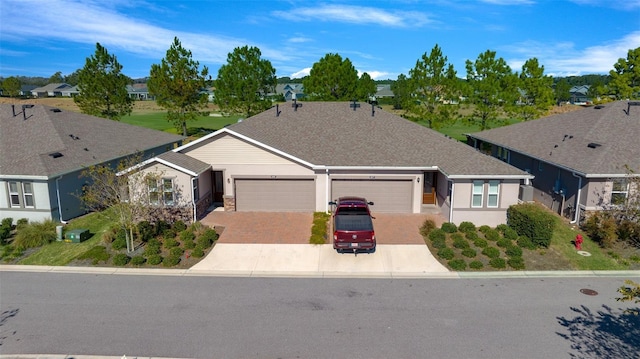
(429, 188)
(217, 180)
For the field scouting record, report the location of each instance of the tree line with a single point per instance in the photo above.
(432, 92)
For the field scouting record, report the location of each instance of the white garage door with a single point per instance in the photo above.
(387, 195)
(281, 195)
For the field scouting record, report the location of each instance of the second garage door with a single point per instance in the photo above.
(387, 195)
(281, 195)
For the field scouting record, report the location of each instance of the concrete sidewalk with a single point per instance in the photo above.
(319, 260)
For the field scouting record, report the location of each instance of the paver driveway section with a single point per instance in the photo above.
(261, 227)
(295, 227)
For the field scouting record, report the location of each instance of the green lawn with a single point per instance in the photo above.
(61, 253)
(158, 121)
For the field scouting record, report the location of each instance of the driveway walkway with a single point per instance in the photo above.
(277, 243)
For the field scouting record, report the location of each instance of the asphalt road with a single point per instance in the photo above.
(213, 317)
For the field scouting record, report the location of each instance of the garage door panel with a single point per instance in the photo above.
(296, 195)
(394, 196)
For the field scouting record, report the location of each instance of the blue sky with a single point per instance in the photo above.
(382, 38)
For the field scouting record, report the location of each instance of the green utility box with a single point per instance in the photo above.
(77, 235)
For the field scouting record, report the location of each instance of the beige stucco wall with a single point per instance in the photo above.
(462, 196)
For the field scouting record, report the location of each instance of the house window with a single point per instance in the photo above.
(167, 191)
(27, 194)
(14, 194)
(478, 193)
(493, 194)
(503, 154)
(196, 191)
(154, 196)
(620, 191)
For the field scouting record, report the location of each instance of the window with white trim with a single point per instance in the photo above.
(619, 191)
(27, 194)
(14, 194)
(154, 195)
(167, 191)
(477, 194)
(196, 191)
(493, 194)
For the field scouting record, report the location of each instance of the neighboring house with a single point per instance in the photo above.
(25, 90)
(71, 91)
(44, 151)
(299, 156)
(50, 90)
(579, 95)
(290, 91)
(138, 91)
(578, 158)
(384, 91)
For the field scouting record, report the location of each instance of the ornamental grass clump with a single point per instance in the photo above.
(469, 252)
(457, 264)
(491, 252)
(476, 265)
(427, 227)
(446, 253)
(449, 227)
(466, 227)
(498, 263)
(437, 234)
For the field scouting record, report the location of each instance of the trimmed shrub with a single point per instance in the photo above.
(498, 263)
(514, 251)
(602, 228)
(207, 238)
(176, 251)
(516, 263)
(466, 227)
(439, 243)
(171, 261)
(476, 265)
(460, 243)
(525, 242)
(427, 227)
(161, 226)
(480, 243)
(472, 236)
(197, 252)
(449, 227)
(120, 259)
(437, 234)
(146, 231)
(510, 233)
(492, 235)
(119, 243)
(446, 253)
(189, 244)
(179, 226)
(5, 229)
(187, 236)
(501, 228)
(457, 264)
(491, 252)
(529, 219)
(21, 223)
(469, 252)
(169, 234)
(457, 236)
(154, 259)
(138, 260)
(170, 243)
(503, 242)
(484, 228)
(35, 234)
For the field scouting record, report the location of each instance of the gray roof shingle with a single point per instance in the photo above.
(186, 162)
(333, 134)
(564, 139)
(83, 140)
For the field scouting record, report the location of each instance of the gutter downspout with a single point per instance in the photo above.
(58, 199)
(576, 218)
(453, 185)
(326, 202)
(193, 200)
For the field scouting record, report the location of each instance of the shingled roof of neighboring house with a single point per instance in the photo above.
(46, 141)
(333, 134)
(594, 141)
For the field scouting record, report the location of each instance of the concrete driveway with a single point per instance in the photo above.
(277, 243)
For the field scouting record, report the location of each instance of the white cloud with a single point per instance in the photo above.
(302, 73)
(355, 15)
(91, 22)
(563, 58)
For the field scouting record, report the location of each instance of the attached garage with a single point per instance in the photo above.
(275, 195)
(387, 195)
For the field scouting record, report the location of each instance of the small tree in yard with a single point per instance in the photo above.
(630, 292)
(123, 199)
